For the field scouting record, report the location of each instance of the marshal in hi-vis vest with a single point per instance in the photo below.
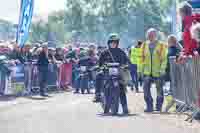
(154, 66)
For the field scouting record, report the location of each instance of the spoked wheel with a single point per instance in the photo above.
(109, 100)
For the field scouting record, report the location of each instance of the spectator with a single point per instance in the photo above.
(26, 54)
(135, 54)
(139, 64)
(66, 69)
(71, 55)
(34, 51)
(43, 63)
(174, 49)
(59, 54)
(92, 53)
(51, 54)
(195, 32)
(16, 54)
(188, 19)
(92, 62)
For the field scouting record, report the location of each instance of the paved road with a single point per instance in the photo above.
(68, 113)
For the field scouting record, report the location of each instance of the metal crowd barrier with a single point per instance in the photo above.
(185, 85)
(12, 83)
(3, 78)
(52, 77)
(24, 78)
(65, 75)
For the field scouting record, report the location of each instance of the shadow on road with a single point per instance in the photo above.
(7, 98)
(118, 115)
(32, 96)
(163, 113)
(36, 98)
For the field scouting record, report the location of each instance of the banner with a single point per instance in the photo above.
(195, 3)
(26, 13)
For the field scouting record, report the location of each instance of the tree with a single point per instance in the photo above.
(51, 31)
(56, 31)
(38, 32)
(94, 20)
(7, 30)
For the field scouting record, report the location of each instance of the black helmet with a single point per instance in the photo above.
(113, 37)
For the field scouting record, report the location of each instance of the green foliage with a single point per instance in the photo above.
(94, 20)
(7, 30)
(38, 32)
(52, 30)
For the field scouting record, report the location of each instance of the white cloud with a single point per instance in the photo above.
(9, 9)
(47, 6)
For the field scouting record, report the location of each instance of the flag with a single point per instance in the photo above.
(26, 13)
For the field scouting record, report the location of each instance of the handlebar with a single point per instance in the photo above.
(106, 67)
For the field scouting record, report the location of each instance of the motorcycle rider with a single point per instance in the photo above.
(117, 55)
(43, 63)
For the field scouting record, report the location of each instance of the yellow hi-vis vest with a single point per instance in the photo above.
(156, 65)
(136, 58)
(134, 55)
(139, 62)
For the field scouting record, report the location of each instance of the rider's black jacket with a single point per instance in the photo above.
(118, 54)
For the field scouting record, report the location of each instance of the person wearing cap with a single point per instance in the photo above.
(34, 51)
(116, 55)
(43, 63)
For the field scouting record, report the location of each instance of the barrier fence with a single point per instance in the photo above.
(24, 78)
(185, 85)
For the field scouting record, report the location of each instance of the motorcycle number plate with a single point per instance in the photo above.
(113, 71)
(83, 68)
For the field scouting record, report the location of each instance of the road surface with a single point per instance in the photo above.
(69, 113)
